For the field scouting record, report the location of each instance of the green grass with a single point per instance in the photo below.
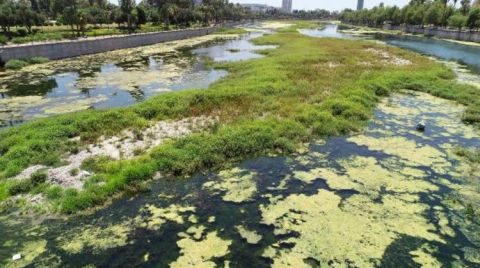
(266, 105)
(231, 31)
(15, 64)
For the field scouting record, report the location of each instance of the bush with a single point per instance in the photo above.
(54, 192)
(22, 32)
(38, 177)
(15, 64)
(3, 39)
(20, 187)
(38, 60)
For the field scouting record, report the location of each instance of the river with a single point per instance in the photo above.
(390, 196)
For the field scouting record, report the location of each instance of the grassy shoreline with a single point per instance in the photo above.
(306, 88)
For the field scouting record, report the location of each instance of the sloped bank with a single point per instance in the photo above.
(68, 49)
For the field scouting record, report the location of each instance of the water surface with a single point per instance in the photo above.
(117, 78)
(468, 55)
(391, 196)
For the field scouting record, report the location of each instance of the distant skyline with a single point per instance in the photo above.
(324, 4)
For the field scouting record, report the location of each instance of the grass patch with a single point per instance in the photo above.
(307, 88)
(231, 31)
(15, 64)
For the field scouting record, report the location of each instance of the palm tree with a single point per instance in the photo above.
(167, 12)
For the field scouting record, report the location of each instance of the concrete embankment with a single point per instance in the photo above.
(73, 48)
(468, 36)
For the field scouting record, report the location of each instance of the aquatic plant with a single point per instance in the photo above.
(306, 88)
(15, 64)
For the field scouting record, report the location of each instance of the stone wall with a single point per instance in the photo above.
(442, 33)
(73, 48)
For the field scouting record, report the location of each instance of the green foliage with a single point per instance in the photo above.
(230, 31)
(20, 187)
(38, 177)
(38, 60)
(473, 20)
(457, 21)
(15, 64)
(436, 13)
(3, 39)
(267, 105)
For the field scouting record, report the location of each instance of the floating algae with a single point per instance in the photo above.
(29, 252)
(201, 253)
(74, 105)
(423, 256)
(95, 238)
(323, 225)
(237, 185)
(196, 231)
(159, 216)
(252, 237)
(401, 147)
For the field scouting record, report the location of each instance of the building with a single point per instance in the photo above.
(259, 7)
(360, 4)
(287, 6)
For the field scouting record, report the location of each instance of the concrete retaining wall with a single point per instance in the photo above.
(442, 33)
(68, 49)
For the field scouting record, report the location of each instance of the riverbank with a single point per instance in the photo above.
(428, 33)
(72, 48)
(305, 89)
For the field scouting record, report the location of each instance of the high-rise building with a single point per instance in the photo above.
(360, 4)
(287, 6)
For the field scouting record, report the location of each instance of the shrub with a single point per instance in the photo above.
(38, 177)
(74, 172)
(54, 192)
(38, 60)
(22, 32)
(138, 172)
(3, 39)
(15, 64)
(20, 187)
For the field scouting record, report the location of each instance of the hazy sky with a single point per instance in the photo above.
(325, 4)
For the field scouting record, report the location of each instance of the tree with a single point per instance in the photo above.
(127, 6)
(141, 16)
(464, 7)
(473, 20)
(457, 21)
(168, 12)
(434, 14)
(7, 16)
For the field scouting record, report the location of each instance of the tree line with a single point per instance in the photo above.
(79, 13)
(437, 13)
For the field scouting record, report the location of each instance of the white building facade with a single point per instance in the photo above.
(287, 6)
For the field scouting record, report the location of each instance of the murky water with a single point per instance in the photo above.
(390, 196)
(116, 79)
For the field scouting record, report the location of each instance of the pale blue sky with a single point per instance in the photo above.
(325, 4)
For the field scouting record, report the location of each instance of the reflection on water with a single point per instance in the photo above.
(468, 55)
(329, 31)
(398, 189)
(445, 50)
(104, 81)
(233, 50)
